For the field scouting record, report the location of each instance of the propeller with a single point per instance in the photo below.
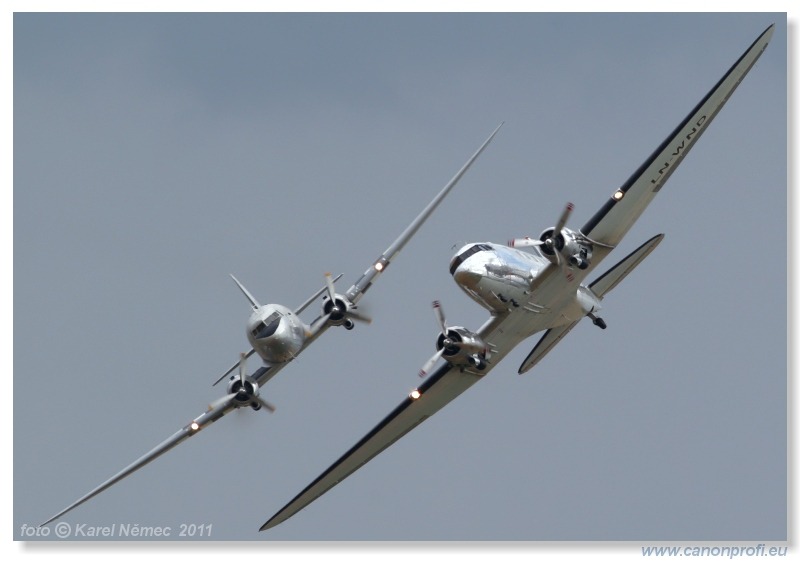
(440, 318)
(447, 343)
(562, 221)
(338, 309)
(550, 243)
(252, 394)
(428, 366)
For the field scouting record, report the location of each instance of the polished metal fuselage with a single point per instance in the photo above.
(524, 284)
(276, 333)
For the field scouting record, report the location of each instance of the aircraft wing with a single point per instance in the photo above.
(548, 341)
(444, 385)
(215, 411)
(378, 266)
(625, 206)
(441, 387)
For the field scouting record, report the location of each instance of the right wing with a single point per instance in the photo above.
(620, 212)
(444, 385)
(441, 387)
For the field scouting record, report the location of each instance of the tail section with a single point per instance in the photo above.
(618, 272)
(599, 287)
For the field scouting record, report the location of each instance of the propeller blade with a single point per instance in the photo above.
(222, 402)
(321, 321)
(524, 242)
(430, 363)
(242, 368)
(233, 367)
(267, 405)
(357, 316)
(329, 285)
(439, 312)
(562, 221)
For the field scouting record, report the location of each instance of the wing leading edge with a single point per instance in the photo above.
(378, 266)
(444, 385)
(618, 214)
(215, 411)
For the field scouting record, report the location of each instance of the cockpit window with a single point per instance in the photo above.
(475, 248)
(268, 326)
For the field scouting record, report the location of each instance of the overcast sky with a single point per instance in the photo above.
(156, 154)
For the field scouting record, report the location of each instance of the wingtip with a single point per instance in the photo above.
(767, 33)
(57, 516)
(46, 522)
(498, 128)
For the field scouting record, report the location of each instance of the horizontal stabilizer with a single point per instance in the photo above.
(616, 274)
(550, 339)
(599, 287)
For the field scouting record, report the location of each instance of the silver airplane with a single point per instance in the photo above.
(278, 335)
(531, 286)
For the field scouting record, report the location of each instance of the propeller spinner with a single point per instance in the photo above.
(244, 390)
(553, 243)
(549, 240)
(457, 343)
(338, 310)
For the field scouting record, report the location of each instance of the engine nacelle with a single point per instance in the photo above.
(244, 392)
(462, 347)
(546, 235)
(572, 245)
(337, 307)
(577, 249)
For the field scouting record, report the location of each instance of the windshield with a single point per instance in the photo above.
(267, 327)
(456, 262)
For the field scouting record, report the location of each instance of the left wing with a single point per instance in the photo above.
(378, 266)
(215, 411)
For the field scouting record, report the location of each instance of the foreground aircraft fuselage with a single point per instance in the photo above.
(530, 286)
(500, 278)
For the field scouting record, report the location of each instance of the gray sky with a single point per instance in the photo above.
(155, 154)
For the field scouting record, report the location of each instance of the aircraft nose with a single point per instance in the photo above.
(466, 278)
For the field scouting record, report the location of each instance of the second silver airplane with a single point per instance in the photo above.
(278, 335)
